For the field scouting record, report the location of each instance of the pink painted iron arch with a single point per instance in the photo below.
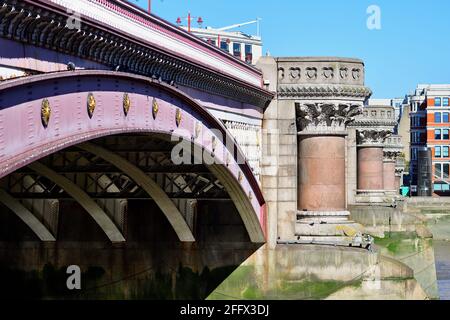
(42, 114)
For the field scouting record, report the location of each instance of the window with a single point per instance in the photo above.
(437, 187)
(248, 53)
(445, 152)
(415, 154)
(445, 102)
(445, 134)
(438, 171)
(445, 117)
(437, 117)
(437, 134)
(237, 50)
(224, 46)
(437, 102)
(446, 171)
(437, 152)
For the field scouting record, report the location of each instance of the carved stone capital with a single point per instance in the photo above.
(399, 171)
(325, 117)
(375, 137)
(391, 155)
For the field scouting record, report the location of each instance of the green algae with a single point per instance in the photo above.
(244, 284)
(397, 243)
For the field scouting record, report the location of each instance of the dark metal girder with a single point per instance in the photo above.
(108, 169)
(137, 196)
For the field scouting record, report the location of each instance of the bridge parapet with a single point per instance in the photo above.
(321, 77)
(120, 36)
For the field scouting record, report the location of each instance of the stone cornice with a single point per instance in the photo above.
(46, 26)
(325, 117)
(322, 91)
(376, 116)
(363, 123)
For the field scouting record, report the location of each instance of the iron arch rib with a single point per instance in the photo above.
(100, 217)
(64, 130)
(166, 205)
(39, 229)
(241, 202)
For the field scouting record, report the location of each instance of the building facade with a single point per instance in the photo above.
(248, 48)
(398, 104)
(430, 125)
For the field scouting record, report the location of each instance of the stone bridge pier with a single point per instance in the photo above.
(322, 213)
(371, 165)
(317, 98)
(374, 150)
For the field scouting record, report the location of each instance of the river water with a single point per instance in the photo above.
(442, 256)
(439, 224)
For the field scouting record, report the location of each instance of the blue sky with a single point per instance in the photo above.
(413, 45)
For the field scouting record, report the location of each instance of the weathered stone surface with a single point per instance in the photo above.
(389, 179)
(300, 272)
(322, 175)
(370, 168)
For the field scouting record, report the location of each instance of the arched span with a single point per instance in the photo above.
(84, 105)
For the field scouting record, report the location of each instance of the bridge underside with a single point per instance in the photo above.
(88, 178)
(152, 262)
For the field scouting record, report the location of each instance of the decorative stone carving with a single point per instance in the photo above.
(328, 72)
(391, 155)
(399, 171)
(295, 73)
(280, 73)
(311, 73)
(343, 72)
(372, 136)
(376, 117)
(322, 91)
(325, 116)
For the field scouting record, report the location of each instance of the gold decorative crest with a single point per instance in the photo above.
(155, 108)
(178, 117)
(46, 112)
(126, 104)
(240, 177)
(250, 195)
(91, 104)
(213, 143)
(198, 128)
